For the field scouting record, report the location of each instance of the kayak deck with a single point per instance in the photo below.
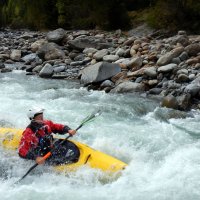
(10, 139)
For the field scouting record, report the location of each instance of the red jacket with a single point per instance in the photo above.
(31, 135)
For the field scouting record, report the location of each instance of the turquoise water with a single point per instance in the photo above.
(163, 156)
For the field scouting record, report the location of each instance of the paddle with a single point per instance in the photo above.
(85, 121)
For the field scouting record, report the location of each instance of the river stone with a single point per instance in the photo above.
(56, 35)
(170, 102)
(110, 58)
(184, 101)
(167, 68)
(90, 51)
(59, 69)
(151, 72)
(128, 87)
(155, 91)
(182, 71)
(135, 63)
(29, 58)
(183, 56)
(47, 71)
(166, 59)
(193, 49)
(50, 51)
(37, 44)
(193, 88)
(120, 52)
(99, 72)
(107, 83)
(100, 54)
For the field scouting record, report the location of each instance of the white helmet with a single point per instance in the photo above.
(34, 111)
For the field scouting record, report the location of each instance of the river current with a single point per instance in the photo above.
(163, 155)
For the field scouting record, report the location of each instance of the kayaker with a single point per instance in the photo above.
(37, 140)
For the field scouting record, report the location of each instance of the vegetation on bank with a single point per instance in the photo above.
(104, 14)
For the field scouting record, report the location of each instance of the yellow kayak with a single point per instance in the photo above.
(10, 138)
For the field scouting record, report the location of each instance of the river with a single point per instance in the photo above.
(163, 159)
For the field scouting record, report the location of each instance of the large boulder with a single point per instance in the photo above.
(50, 51)
(56, 36)
(99, 72)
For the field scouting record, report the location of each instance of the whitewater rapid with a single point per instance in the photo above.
(163, 159)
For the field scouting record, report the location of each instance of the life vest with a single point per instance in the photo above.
(45, 141)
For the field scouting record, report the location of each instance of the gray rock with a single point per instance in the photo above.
(128, 87)
(37, 68)
(120, 52)
(166, 59)
(167, 68)
(107, 83)
(50, 51)
(176, 60)
(56, 36)
(155, 91)
(182, 71)
(29, 58)
(135, 63)
(90, 50)
(183, 56)
(184, 101)
(47, 71)
(99, 72)
(193, 88)
(151, 72)
(59, 69)
(100, 54)
(110, 58)
(182, 78)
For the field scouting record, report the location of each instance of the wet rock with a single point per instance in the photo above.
(170, 102)
(56, 36)
(128, 87)
(50, 51)
(99, 72)
(47, 71)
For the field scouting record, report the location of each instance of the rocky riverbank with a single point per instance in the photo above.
(168, 68)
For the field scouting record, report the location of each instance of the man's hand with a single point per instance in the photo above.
(40, 160)
(71, 132)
